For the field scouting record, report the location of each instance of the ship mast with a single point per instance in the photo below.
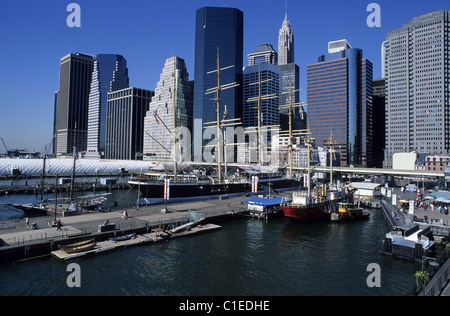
(308, 150)
(331, 143)
(291, 133)
(217, 90)
(175, 134)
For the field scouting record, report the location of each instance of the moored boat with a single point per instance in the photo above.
(79, 246)
(349, 212)
(304, 208)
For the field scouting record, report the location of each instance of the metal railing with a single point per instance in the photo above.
(437, 282)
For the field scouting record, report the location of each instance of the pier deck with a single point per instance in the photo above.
(140, 239)
(17, 242)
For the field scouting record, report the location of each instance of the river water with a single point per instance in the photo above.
(247, 257)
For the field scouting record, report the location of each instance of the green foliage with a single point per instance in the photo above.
(423, 277)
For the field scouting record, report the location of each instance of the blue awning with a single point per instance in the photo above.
(264, 201)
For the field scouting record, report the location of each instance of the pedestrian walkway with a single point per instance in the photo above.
(19, 232)
(23, 237)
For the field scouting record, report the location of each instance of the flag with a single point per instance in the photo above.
(308, 144)
(155, 117)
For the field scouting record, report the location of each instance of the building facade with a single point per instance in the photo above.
(110, 73)
(285, 43)
(379, 121)
(264, 53)
(217, 31)
(125, 115)
(339, 92)
(269, 76)
(159, 121)
(417, 73)
(289, 80)
(72, 103)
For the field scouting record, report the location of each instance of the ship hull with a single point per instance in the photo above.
(309, 213)
(155, 190)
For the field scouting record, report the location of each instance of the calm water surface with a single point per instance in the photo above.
(246, 257)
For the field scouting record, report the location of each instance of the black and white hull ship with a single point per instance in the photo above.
(191, 185)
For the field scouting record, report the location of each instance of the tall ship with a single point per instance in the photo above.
(176, 180)
(319, 203)
(161, 184)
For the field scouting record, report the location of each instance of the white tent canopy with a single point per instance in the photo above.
(65, 166)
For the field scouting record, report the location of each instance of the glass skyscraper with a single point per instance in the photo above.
(339, 92)
(110, 73)
(216, 29)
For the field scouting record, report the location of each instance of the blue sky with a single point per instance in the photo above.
(34, 36)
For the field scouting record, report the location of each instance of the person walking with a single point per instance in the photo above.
(58, 225)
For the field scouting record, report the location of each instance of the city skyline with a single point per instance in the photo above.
(37, 37)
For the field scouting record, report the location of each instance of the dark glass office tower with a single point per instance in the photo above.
(74, 86)
(216, 28)
(340, 101)
(110, 73)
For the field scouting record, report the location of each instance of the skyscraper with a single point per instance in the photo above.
(417, 77)
(216, 30)
(73, 101)
(339, 92)
(264, 53)
(285, 43)
(289, 80)
(160, 144)
(269, 75)
(125, 115)
(110, 73)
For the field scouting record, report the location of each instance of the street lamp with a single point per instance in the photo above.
(424, 276)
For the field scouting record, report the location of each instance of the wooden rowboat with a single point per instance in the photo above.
(85, 247)
(79, 246)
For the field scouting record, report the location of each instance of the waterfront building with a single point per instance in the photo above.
(339, 93)
(159, 121)
(110, 73)
(264, 53)
(285, 43)
(217, 30)
(125, 115)
(417, 73)
(72, 103)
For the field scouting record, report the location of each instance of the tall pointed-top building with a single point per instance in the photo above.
(285, 43)
(289, 79)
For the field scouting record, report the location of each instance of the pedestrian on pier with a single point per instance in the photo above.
(27, 222)
(58, 225)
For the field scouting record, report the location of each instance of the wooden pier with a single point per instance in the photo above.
(152, 237)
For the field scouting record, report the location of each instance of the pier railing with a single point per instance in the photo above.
(439, 278)
(168, 221)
